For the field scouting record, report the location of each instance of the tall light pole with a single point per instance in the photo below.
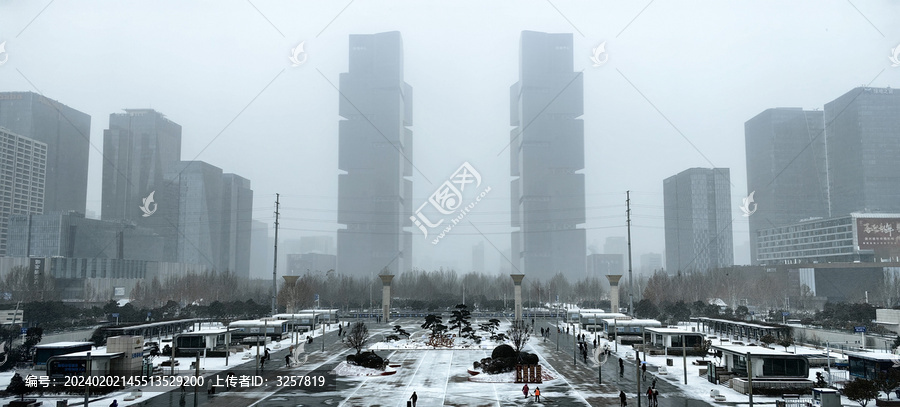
(630, 277)
(275, 263)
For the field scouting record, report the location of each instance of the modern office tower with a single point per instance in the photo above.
(650, 263)
(138, 148)
(600, 265)
(786, 175)
(478, 257)
(546, 152)
(237, 216)
(375, 155)
(697, 210)
(23, 165)
(300, 264)
(262, 250)
(616, 245)
(197, 233)
(863, 142)
(66, 132)
(69, 234)
(317, 244)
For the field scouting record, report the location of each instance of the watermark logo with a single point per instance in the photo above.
(748, 201)
(148, 201)
(447, 200)
(895, 56)
(600, 50)
(296, 53)
(4, 53)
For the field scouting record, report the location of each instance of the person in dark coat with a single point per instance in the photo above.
(115, 403)
(525, 390)
(414, 398)
(622, 398)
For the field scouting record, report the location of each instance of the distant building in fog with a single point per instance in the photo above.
(70, 234)
(616, 245)
(863, 146)
(23, 165)
(546, 151)
(317, 244)
(697, 211)
(478, 257)
(299, 264)
(375, 153)
(785, 150)
(650, 263)
(66, 132)
(601, 265)
(237, 213)
(262, 250)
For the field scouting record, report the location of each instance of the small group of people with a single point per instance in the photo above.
(545, 333)
(537, 392)
(652, 395)
(584, 351)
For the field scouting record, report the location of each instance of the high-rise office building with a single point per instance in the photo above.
(237, 217)
(23, 165)
(198, 231)
(863, 145)
(66, 132)
(786, 176)
(616, 245)
(697, 211)
(375, 154)
(650, 263)
(138, 148)
(262, 250)
(601, 265)
(546, 152)
(478, 257)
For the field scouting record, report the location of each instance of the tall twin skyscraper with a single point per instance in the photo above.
(546, 152)
(805, 164)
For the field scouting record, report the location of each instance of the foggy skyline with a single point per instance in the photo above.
(679, 84)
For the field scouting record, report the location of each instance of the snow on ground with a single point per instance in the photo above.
(208, 365)
(347, 369)
(419, 341)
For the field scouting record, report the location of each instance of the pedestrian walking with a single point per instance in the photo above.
(643, 369)
(649, 396)
(525, 390)
(595, 343)
(537, 394)
(621, 367)
(115, 403)
(414, 398)
(622, 401)
(655, 397)
(340, 330)
(653, 385)
(266, 355)
(287, 360)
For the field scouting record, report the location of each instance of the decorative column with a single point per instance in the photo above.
(517, 281)
(386, 295)
(614, 291)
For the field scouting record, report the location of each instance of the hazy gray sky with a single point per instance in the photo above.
(679, 73)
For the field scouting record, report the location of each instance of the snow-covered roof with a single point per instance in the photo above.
(753, 350)
(62, 345)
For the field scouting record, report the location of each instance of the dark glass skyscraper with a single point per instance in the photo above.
(375, 153)
(66, 132)
(697, 210)
(863, 143)
(785, 150)
(237, 217)
(138, 148)
(546, 151)
(198, 231)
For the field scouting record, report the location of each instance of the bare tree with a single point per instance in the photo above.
(358, 336)
(518, 334)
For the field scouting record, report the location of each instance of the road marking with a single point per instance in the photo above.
(447, 382)
(578, 393)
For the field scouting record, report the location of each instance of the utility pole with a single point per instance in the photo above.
(275, 263)
(630, 277)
